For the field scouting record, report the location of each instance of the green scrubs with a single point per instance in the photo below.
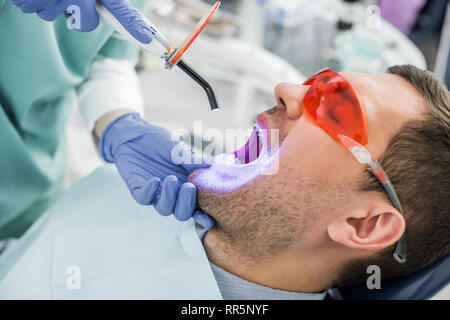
(41, 64)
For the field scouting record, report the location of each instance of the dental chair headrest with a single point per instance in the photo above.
(421, 285)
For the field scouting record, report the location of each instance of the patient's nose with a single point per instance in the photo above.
(290, 97)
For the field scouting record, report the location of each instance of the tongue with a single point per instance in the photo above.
(251, 150)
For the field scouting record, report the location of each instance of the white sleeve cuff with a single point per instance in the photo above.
(110, 84)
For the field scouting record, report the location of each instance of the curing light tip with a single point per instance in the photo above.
(202, 82)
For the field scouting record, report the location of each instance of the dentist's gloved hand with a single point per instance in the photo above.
(88, 18)
(143, 155)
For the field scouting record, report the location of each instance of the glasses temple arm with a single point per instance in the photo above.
(376, 169)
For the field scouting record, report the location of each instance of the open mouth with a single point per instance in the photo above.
(252, 149)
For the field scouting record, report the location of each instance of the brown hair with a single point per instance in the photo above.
(417, 161)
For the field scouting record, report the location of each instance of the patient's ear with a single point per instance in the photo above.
(369, 226)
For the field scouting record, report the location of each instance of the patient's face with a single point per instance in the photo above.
(317, 178)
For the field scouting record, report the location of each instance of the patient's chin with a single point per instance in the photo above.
(199, 178)
(202, 179)
(206, 202)
(210, 198)
(196, 179)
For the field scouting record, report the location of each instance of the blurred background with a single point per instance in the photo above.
(252, 45)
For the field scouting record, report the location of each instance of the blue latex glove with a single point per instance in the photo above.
(124, 12)
(142, 154)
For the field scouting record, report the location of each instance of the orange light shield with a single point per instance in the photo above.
(333, 104)
(176, 56)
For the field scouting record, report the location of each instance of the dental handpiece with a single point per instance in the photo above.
(161, 47)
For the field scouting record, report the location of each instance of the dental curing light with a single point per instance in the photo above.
(161, 47)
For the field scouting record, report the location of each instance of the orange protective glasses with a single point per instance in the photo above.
(334, 105)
